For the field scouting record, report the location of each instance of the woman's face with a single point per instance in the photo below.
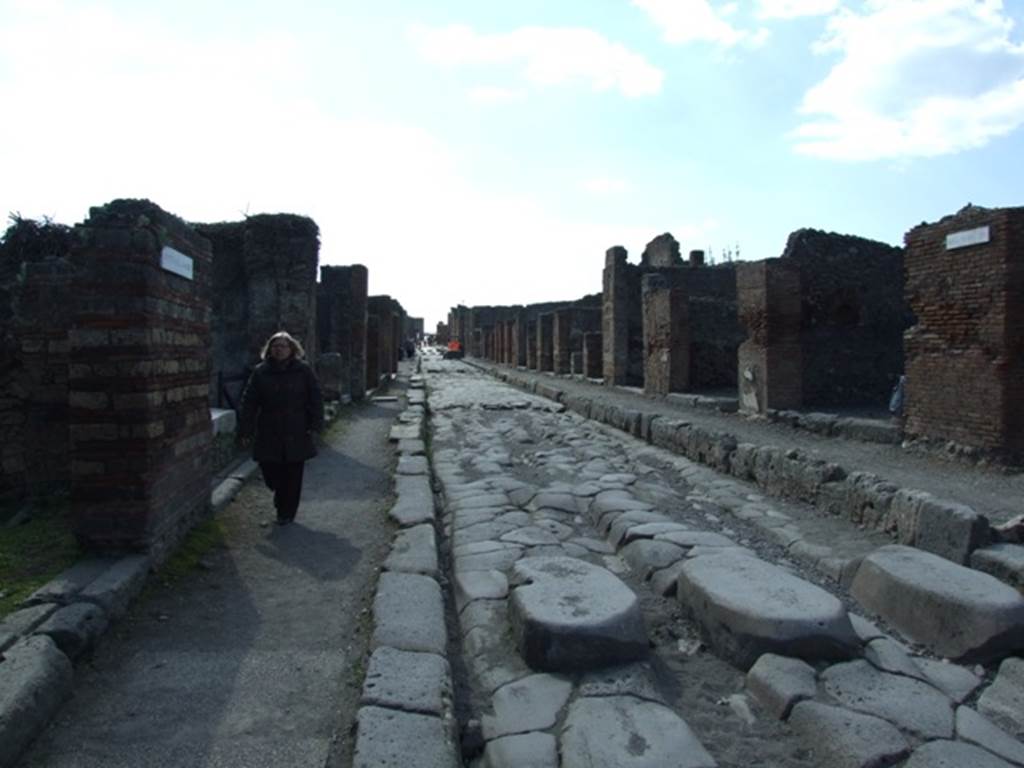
(280, 350)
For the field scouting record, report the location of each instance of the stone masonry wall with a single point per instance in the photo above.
(264, 281)
(852, 317)
(965, 355)
(139, 378)
(714, 326)
(341, 330)
(36, 304)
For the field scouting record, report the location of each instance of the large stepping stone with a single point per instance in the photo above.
(624, 732)
(747, 607)
(914, 706)
(952, 610)
(569, 614)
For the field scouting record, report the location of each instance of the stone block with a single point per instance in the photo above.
(952, 610)
(844, 739)
(408, 614)
(414, 550)
(406, 680)
(777, 683)
(567, 614)
(747, 607)
(389, 737)
(976, 729)
(35, 678)
(533, 703)
(1004, 561)
(75, 628)
(118, 585)
(523, 750)
(1003, 701)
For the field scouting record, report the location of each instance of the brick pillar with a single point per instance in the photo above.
(356, 321)
(576, 363)
(510, 343)
(545, 342)
(964, 359)
(372, 352)
(615, 317)
(666, 333)
(519, 336)
(592, 349)
(531, 346)
(139, 391)
(281, 254)
(769, 361)
(561, 335)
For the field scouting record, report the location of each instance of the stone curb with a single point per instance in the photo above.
(66, 617)
(913, 517)
(409, 625)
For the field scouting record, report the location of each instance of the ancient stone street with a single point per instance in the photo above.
(619, 605)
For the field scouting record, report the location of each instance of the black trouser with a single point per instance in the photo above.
(285, 480)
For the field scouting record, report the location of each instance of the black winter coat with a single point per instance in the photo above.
(284, 407)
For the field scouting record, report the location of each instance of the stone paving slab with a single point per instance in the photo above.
(412, 682)
(953, 754)
(952, 610)
(388, 738)
(916, 707)
(622, 732)
(570, 614)
(747, 607)
(1003, 701)
(67, 585)
(530, 704)
(408, 613)
(1004, 561)
(22, 622)
(412, 465)
(840, 738)
(415, 502)
(778, 683)
(414, 550)
(524, 750)
(979, 730)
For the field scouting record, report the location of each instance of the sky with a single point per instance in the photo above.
(485, 152)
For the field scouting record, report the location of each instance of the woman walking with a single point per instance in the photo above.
(283, 407)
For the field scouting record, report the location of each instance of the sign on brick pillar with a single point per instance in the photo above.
(546, 341)
(356, 322)
(666, 332)
(965, 356)
(138, 378)
(561, 334)
(531, 345)
(281, 256)
(372, 352)
(615, 316)
(592, 350)
(769, 361)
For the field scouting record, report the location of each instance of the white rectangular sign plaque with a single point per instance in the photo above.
(967, 237)
(176, 262)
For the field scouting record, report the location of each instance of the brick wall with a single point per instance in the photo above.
(853, 315)
(139, 378)
(666, 332)
(965, 355)
(36, 303)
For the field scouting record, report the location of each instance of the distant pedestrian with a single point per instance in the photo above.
(282, 412)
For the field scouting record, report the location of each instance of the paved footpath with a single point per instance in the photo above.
(620, 605)
(255, 659)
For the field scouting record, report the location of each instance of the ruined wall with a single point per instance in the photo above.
(852, 317)
(965, 355)
(714, 326)
(264, 280)
(138, 383)
(621, 320)
(341, 331)
(36, 304)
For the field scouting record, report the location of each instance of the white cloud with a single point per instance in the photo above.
(917, 78)
(687, 21)
(792, 9)
(547, 56)
(495, 95)
(604, 185)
